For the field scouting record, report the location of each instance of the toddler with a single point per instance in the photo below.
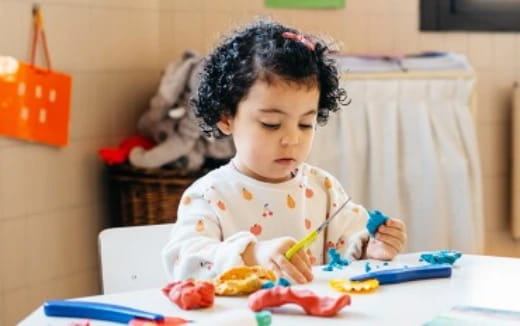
(268, 86)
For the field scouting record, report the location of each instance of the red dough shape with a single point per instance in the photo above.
(167, 321)
(308, 300)
(190, 295)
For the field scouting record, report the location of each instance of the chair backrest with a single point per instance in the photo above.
(131, 257)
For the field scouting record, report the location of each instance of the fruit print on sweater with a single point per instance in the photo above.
(224, 211)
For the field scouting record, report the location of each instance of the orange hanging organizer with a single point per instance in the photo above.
(34, 102)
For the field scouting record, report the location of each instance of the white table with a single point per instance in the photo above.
(476, 280)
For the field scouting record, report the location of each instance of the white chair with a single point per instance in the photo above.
(131, 257)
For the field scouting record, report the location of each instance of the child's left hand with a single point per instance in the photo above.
(388, 241)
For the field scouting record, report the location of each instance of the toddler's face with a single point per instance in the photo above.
(273, 128)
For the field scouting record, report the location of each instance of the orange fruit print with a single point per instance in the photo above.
(200, 226)
(327, 183)
(186, 200)
(256, 229)
(246, 194)
(290, 202)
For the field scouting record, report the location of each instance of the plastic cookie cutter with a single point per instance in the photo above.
(366, 286)
(311, 237)
(398, 275)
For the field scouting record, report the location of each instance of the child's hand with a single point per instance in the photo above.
(389, 240)
(271, 254)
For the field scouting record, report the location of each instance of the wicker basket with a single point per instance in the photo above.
(145, 196)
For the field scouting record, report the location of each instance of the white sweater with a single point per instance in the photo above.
(224, 211)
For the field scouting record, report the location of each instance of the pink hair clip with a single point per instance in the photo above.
(299, 38)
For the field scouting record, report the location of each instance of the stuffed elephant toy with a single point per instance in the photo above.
(171, 123)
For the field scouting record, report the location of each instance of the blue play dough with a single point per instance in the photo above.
(367, 267)
(441, 256)
(267, 285)
(263, 318)
(283, 282)
(376, 218)
(280, 282)
(328, 268)
(335, 261)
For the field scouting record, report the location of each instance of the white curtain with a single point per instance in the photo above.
(408, 147)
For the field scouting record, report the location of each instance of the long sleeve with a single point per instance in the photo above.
(347, 232)
(225, 211)
(197, 248)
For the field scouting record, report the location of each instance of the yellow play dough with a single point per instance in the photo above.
(346, 286)
(242, 280)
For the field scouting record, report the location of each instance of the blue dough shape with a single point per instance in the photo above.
(441, 257)
(263, 318)
(335, 261)
(283, 282)
(267, 285)
(367, 267)
(280, 282)
(328, 268)
(375, 220)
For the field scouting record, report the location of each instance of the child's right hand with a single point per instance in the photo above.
(271, 254)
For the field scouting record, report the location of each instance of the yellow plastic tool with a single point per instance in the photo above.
(366, 286)
(311, 237)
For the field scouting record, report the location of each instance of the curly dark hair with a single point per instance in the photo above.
(260, 51)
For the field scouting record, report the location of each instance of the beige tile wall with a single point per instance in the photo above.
(51, 200)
